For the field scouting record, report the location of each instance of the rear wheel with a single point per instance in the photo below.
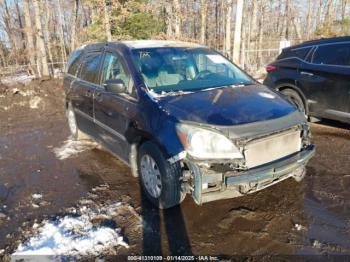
(159, 179)
(295, 99)
(73, 127)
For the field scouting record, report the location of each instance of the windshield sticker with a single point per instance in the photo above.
(144, 54)
(217, 59)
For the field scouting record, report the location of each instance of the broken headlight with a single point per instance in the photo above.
(203, 143)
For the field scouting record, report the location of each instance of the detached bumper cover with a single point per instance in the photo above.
(240, 183)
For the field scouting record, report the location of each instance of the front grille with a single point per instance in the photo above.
(271, 148)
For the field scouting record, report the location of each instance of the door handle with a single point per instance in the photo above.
(306, 73)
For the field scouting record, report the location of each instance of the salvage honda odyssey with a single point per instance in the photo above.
(185, 119)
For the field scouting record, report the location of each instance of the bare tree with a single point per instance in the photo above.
(40, 40)
(47, 33)
(107, 21)
(74, 25)
(238, 31)
(204, 10)
(61, 33)
(344, 8)
(228, 28)
(29, 33)
(20, 24)
(6, 16)
(177, 18)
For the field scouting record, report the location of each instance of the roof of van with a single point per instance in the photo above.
(143, 44)
(158, 43)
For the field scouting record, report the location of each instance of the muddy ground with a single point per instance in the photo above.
(311, 217)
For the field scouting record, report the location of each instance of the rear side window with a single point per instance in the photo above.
(90, 67)
(335, 54)
(74, 62)
(300, 53)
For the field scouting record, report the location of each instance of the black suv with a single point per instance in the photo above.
(315, 76)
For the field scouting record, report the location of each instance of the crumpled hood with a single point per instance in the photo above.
(227, 106)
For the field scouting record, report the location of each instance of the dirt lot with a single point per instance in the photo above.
(311, 217)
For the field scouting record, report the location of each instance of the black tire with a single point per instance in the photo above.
(295, 99)
(76, 134)
(170, 174)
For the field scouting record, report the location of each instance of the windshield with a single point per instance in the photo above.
(171, 69)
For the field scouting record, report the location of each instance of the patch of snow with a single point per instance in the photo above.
(71, 148)
(27, 92)
(37, 196)
(317, 244)
(73, 235)
(34, 102)
(15, 91)
(22, 78)
(2, 251)
(35, 205)
(299, 227)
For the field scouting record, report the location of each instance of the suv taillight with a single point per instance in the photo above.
(270, 68)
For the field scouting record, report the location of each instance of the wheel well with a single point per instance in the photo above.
(133, 154)
(299, 92)
(135, 145)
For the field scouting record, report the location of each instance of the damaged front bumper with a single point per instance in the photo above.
(209, 185)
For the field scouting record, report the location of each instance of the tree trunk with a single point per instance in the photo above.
(308, 19)
(238, 31)
(319, 12)
(28, 30)
(107, 21)
(74, 25)
(344, 8)
(47, 35)
(168, 19)
(285, 31)
(61, 33)
(228, 29)
(253, 27)
(177, 18)
(21, 27)
(204, 9)
(10, 32)
(328, 13)
(261, 31)
(40, 40)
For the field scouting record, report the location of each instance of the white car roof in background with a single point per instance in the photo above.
(158, 43)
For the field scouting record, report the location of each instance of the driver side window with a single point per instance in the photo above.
(113, 69)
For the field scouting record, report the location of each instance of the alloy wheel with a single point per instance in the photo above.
(151, 176)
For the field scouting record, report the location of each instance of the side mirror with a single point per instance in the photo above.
(115, 86)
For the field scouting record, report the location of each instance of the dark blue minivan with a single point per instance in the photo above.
(185, 119)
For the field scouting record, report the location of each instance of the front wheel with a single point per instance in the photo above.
(159, 179)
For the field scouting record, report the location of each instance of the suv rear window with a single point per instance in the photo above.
(300, 53)
(89, 70)
(335, 54)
